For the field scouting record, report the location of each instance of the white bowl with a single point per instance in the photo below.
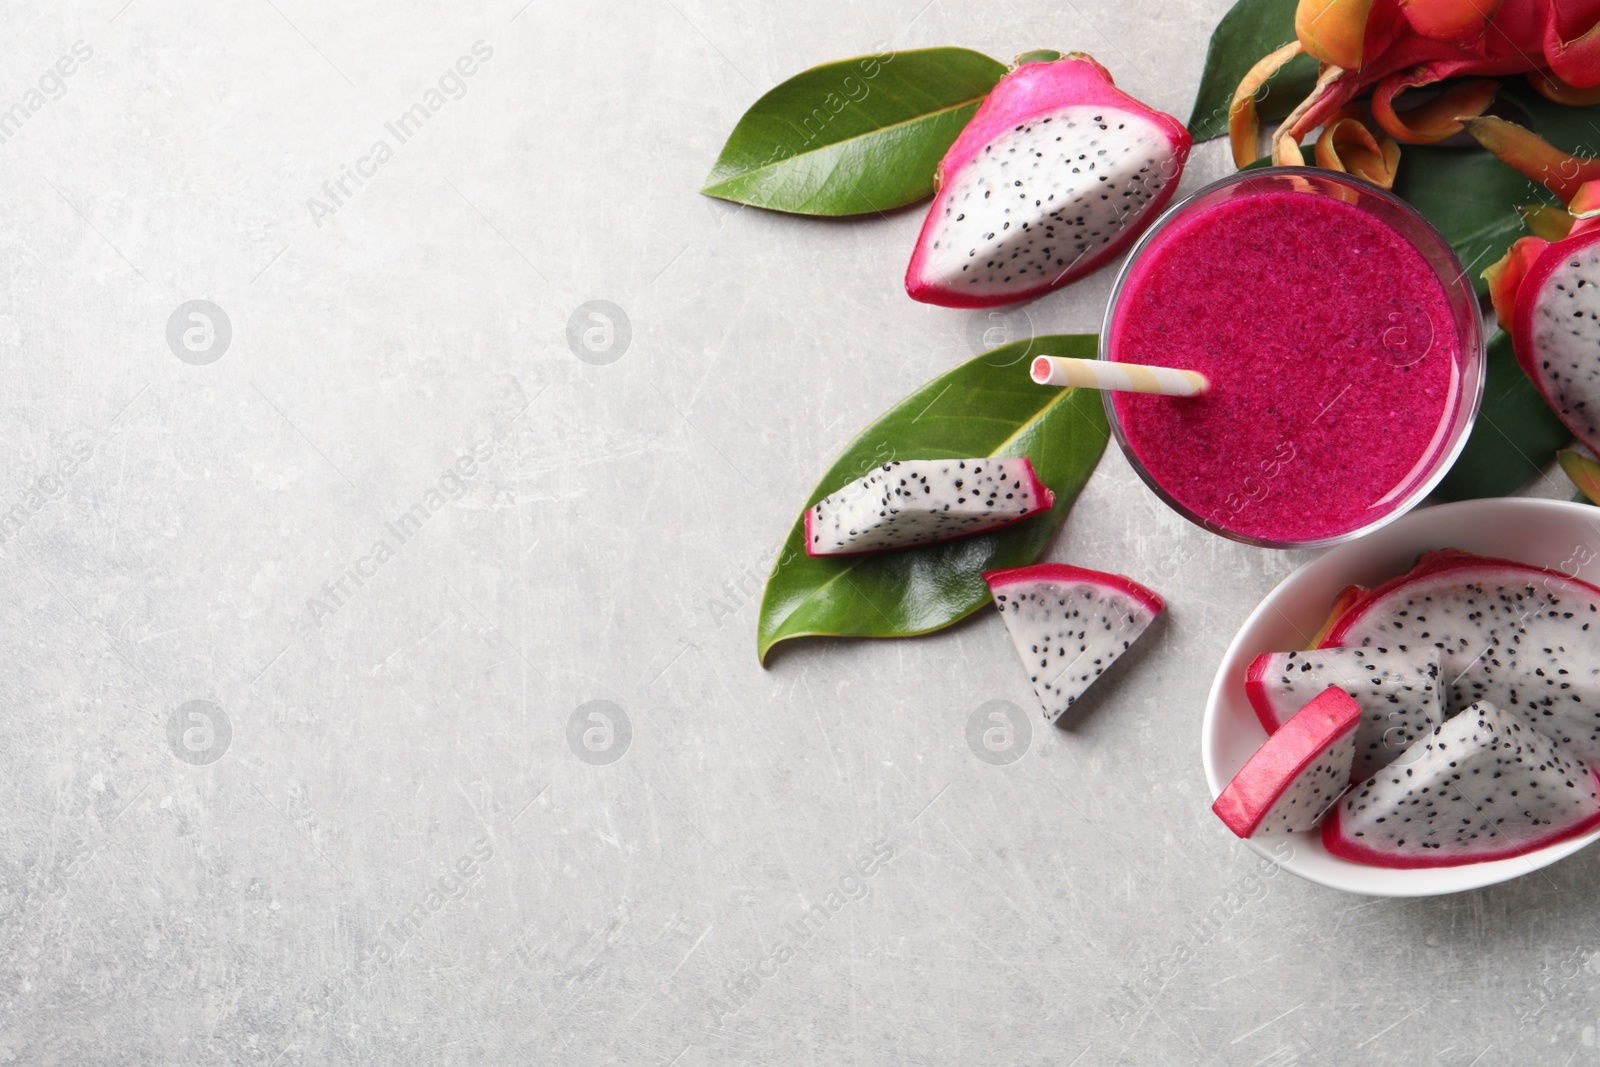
(1545, 533)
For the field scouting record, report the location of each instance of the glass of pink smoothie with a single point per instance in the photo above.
(1342, 340)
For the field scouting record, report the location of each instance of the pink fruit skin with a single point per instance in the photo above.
(1444, 561)
(1032, 89)
(1334, 840)
(1329, 716)
(1062, 572)
(1041, 493)
(1523, 320)
(1255, 688)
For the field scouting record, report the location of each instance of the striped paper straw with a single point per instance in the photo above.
(1121, 377)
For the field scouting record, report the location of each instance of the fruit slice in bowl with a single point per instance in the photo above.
(1552, 535)
(1298, 773)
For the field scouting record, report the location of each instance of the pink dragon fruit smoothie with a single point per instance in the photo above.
(1344, 357)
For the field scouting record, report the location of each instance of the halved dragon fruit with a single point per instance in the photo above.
(1521, 637)
(1481, 786)
(1556, 331)
(1296, 776)
(1069, 625)
(1055, 175)
(1398, 693)
(917, 502)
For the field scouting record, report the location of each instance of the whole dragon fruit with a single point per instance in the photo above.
(918, 502)
(1055, 175)
(1398, 693)
(1389, 46)
(1481, 786)
(1069, 625)
(1523, 638)
(1301, 770)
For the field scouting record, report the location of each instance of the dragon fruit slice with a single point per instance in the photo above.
(1556, 330)
(1481, 786)
(1523, 638)
(1055, 175)
(1398, 693)
(1069, 624)
(1293, 779)
(917, 502)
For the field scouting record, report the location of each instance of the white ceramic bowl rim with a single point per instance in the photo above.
(1547, 533)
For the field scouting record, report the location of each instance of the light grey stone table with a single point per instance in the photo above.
(307, 582)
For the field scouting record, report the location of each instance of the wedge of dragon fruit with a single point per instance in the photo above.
(1556, 331)
(1481, 786)
(917, 502)
(1069, 625)
(1521, 637)
(1055, 175)
(1297, 775)
(1398, 693)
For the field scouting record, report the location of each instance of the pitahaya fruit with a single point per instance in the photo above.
(917, 502)
(1297, 775)
(1055, 175)
(1556, 331)
(1398, 693)
(1069, 624)
(1481, 786)
(1521, 637)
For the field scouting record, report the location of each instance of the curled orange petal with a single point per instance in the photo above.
(1575, 61)
(1557, 91)
(1438, 118)
(1348, 145)
(1533, 156)
(1333, 30)
(1505, 276)
(1449, 20)
(1334, 89)
(1244, 126)
(1585, 203)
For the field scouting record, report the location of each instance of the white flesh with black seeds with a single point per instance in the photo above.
(915, 502)
(1068, 634)
(1566, 338)
(1046, 195)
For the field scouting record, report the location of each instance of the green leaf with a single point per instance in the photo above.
(1571, 129)
(1470, 197)
(1253, 29)
(988, 406)
(855, 136)
(1515, 437)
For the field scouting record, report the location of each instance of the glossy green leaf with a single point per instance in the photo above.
(986, 407)
(853, 137)
(1251, 30)
(1515, 437)
(1470, 197)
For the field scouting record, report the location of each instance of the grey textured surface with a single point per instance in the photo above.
(372, 842)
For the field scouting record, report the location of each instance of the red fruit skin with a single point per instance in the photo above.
(1443, 561)
(1328, 717)
(1348, 848)
(1255, 689)
(1033, 89)
(1537, 276)
(1063, 572)
(1041, 493)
